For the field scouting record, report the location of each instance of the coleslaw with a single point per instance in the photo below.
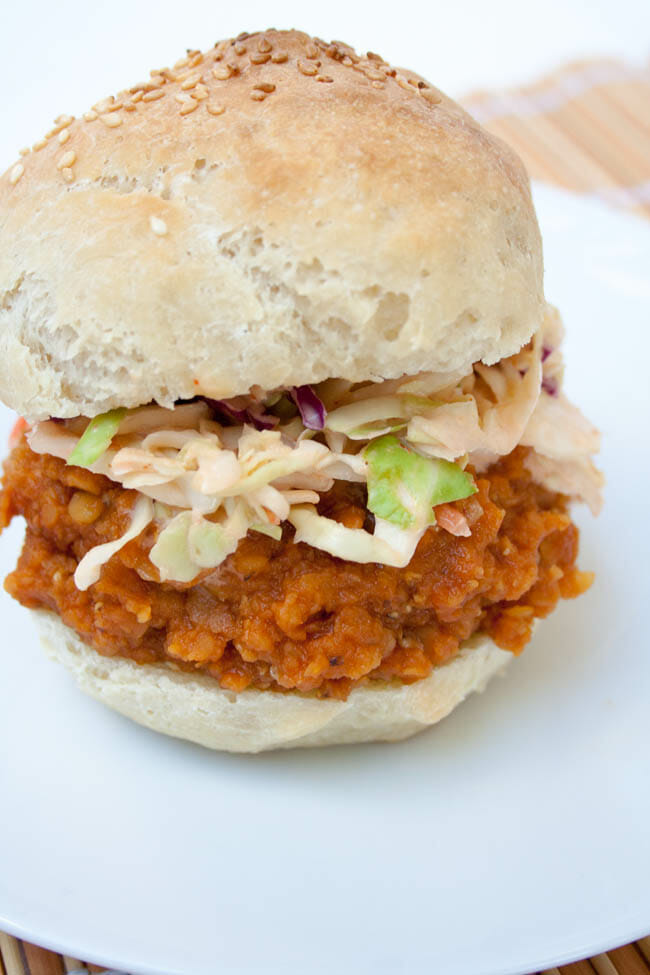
(209, 471)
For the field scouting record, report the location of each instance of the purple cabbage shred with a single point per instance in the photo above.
(312, 410)
(251, 413)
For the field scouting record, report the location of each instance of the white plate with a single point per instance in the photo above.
(511, 837)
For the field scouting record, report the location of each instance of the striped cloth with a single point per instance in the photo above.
(586, 127)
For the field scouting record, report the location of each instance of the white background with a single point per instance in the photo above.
(62, 56)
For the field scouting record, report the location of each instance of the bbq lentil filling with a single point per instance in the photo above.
(285, 616)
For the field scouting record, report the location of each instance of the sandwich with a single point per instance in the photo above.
(293, 452)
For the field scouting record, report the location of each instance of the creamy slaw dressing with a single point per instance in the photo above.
(213, 482)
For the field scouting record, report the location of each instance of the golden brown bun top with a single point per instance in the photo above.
(274, 211)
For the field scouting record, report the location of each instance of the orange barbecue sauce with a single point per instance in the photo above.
(285, 616)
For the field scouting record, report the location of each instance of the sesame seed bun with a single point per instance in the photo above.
(195, 708)
(274, 211)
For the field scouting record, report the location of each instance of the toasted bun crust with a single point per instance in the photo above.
(197, 709)
(275, 211)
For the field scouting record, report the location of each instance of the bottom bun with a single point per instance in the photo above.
(195, 707)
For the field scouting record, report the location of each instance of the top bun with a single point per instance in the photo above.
(275, 211)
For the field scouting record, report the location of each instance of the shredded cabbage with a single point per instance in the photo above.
(273, 531)
(558, 429)
(190, 543)
(171, 554)
(96, 438)
(490, 416)
(312, 409)
(353, 544)
(563, 441)
(374, 417)
(403, 487)
(88, 570)
(218, 468)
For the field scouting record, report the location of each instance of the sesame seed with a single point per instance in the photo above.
(403, 83)
(67, 159)
(191, 89)
(39, 145)
(334, 52)
(61, 123)
(25, 151)
(308, 69)
(67, 174)
(16, 173)
(154, 82)
(158, 226)
(190, 82)
(430, 96)
(105, 105)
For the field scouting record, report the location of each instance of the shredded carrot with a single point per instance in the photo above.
(452, 521)
(19, 428)
(271, 515)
